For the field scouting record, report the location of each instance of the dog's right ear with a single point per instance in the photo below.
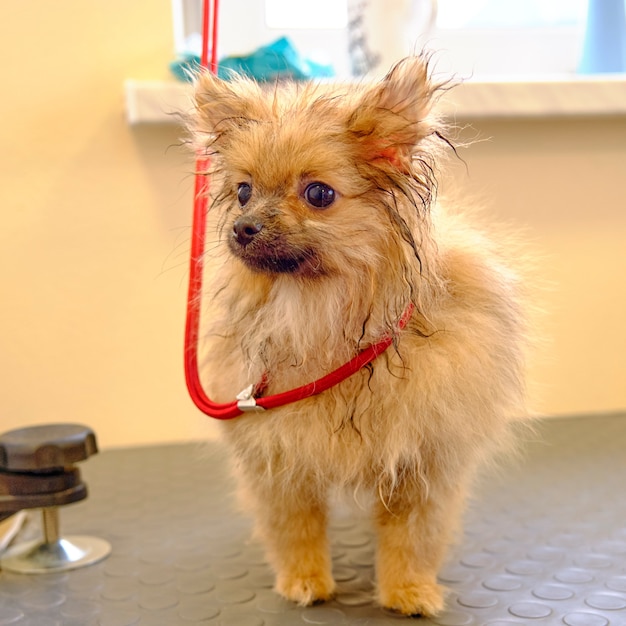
(392, 117)
(222, 106)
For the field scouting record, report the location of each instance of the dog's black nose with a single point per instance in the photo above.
(246, 228)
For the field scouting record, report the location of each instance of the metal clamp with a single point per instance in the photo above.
(246, 400)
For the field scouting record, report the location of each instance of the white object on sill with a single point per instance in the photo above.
(601, 94)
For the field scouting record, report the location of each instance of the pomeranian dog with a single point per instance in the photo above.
(324, 239)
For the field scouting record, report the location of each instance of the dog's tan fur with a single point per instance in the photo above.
(413, 427)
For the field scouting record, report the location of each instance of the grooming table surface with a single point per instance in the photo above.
(544, 543)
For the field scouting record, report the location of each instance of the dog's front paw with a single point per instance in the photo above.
(306, 590)
(415, 599)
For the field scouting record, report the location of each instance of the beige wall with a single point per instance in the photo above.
(562, 182)
(94, 227)
(95, 216)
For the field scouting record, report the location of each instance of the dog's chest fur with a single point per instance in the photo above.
(413, 411)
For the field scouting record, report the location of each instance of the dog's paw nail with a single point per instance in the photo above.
(306, 590)
(414, 600)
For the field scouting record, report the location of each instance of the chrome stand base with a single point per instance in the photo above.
(37, 557)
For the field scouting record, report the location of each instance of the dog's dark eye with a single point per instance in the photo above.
(244, 192)
(319, 195)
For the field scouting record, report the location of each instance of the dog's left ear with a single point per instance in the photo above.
(392, 116)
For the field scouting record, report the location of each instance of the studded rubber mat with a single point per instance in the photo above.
(544, 543)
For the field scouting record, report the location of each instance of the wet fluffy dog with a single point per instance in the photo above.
(323, 231)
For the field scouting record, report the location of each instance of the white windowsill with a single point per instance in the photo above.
(160, 101)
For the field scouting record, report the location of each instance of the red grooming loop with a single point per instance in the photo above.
(235, 408)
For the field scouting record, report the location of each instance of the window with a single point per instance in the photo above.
(500, 37)
(318, 29)
(470, 37)
(321, 14)
(506, 14)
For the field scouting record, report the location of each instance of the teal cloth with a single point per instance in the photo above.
(276, 61)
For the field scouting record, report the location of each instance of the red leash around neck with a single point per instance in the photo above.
(245, 400)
